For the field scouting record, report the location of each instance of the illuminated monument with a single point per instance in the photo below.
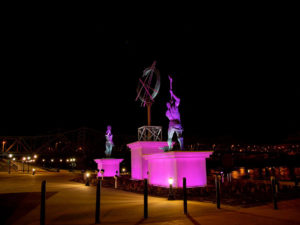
(108, 167)
(109, 142)
(174, 116)
(148, 158)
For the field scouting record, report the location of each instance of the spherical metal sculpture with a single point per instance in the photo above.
(148, 88)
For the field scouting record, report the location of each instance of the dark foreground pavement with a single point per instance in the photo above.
(69, 202)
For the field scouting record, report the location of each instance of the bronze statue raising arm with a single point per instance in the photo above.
(177, 100)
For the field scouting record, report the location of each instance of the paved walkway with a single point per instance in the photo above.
(74, 203)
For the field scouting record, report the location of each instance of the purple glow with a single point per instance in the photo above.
(149, 157)
(139, 166)
(177, 165)
(110, 166)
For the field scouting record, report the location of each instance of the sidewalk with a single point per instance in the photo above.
(74, 203)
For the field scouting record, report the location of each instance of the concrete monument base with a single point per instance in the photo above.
(110, 166)
(149, 161)
(139, 165)
(177, 165)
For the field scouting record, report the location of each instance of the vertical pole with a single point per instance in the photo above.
(184, 196)
(218, 191)
(149, 113)
(27, 167)
(145, 198)
(97, 216)
(274, 191)
(171, 194)
(87, 183)
(23, 167)
(148, 120)
(43, 201)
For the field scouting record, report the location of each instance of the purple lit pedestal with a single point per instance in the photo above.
(139, 165)
(148, 157)
(110, 166)
(177, 164)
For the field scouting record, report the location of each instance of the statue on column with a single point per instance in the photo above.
(174, 119)
(109, 142)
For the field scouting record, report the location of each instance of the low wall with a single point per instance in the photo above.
(238, 192)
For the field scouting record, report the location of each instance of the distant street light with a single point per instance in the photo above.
(58, 166)
(28, 161)
(171, 194)
(51, 163)
(87, 179)
(9, 159)
(23, 162)
(73, 164)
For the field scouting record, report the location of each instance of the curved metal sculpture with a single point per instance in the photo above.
(148, 88)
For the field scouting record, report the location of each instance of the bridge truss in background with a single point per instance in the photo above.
(82, 140)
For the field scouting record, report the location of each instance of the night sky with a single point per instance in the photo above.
(236, 75)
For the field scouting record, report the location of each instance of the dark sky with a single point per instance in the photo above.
(235, 74)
